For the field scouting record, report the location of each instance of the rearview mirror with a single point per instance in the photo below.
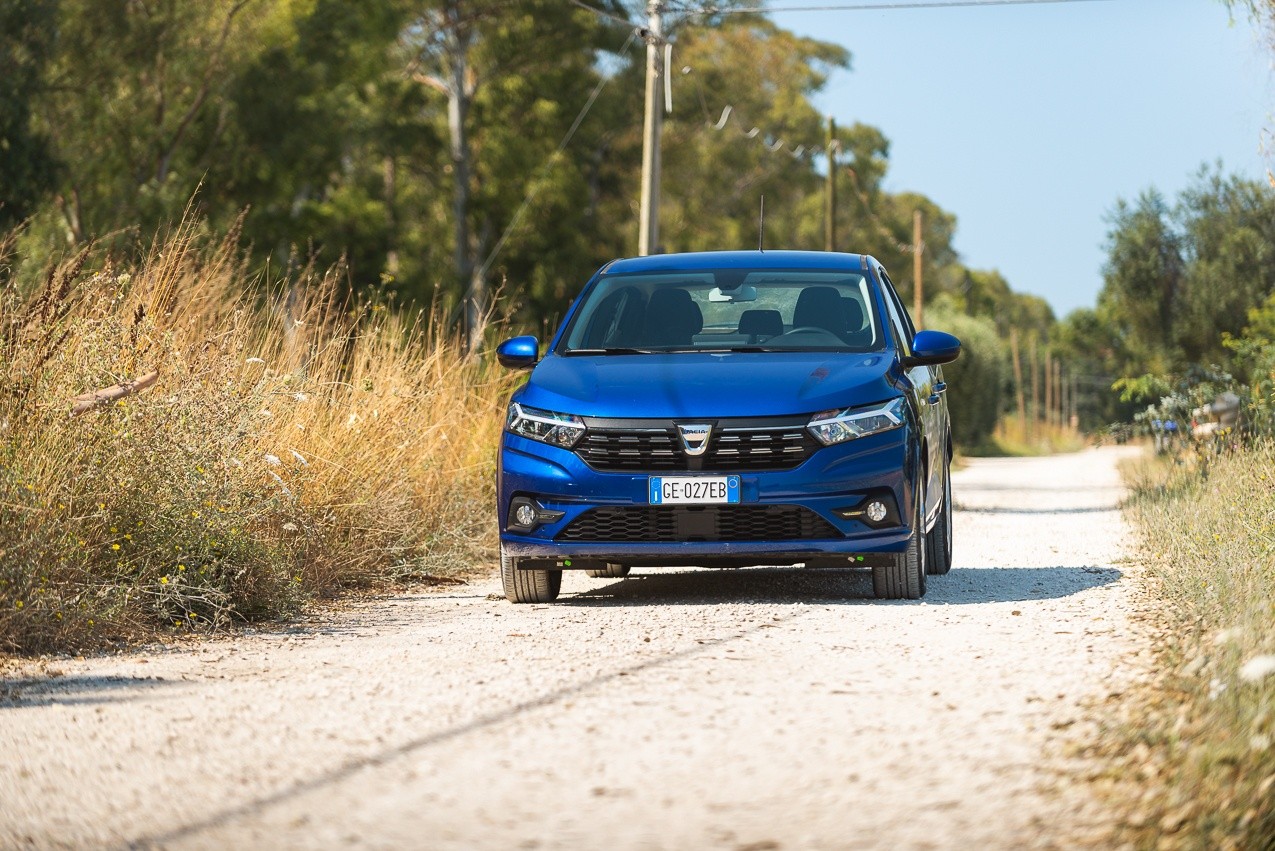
(519, 352)
(931, 348)
(746, 292)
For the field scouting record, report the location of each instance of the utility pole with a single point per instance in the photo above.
(1058, 393)
(1049, 389)
(1035, 418)
(649, 211)
(1018, 380)
(830, 206)
(918, 289)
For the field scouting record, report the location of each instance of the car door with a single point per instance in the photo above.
(928, 397)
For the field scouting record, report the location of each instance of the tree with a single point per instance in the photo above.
(1228, 229)
(1142, 281)
(26, 165)
(135, 105)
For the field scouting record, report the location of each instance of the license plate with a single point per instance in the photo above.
(694, 490)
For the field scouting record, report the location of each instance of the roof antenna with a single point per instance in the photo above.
(761, 226)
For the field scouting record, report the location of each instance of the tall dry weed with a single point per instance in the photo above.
(293, 445)
(1196, 756)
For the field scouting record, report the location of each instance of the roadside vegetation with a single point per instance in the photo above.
(295, 443)
(1186, 317)
(1194, 757)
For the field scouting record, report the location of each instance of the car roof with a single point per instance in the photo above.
(704, 260)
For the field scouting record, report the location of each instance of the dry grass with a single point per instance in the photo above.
(1196, 757)
(1013, 438)
(290, 448)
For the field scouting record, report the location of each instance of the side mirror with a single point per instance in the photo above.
(931, 348)
(519, 352)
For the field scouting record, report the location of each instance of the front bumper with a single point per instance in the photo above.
(831, 479)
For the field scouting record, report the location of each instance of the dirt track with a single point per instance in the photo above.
(744, 709)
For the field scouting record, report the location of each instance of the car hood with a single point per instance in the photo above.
(693, 384)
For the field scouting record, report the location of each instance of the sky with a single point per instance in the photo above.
(1029, 122)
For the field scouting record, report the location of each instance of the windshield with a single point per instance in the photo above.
(726, 310)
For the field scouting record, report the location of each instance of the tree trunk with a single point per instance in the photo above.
(459, 97)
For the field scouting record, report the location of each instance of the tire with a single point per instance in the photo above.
(903, 578)
(528, 586)
(939, 542)
(611, 571)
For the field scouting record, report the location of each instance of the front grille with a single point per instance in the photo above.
(636, 449)
(656, 524)
(622, 449)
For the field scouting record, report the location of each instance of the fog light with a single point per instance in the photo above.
(525, 515)
(876, 511)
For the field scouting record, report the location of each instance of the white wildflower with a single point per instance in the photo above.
(354, 418)
(300, 397)
(300, 458)
(1225, 635)
(289, 527)
(1257, 669)
(272, 460)
(282, 486)
(1216, 687)
(265, 412)
(254, 360)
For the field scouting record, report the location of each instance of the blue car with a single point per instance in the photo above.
(727, 409)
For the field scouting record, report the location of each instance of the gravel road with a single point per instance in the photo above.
(751, 709)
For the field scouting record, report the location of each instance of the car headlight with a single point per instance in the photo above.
(832, 427)
(563, 430)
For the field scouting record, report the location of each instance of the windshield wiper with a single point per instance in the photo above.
(614, 350)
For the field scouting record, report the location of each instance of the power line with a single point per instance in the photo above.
(603, 13)
(535, 187)
(871, 7)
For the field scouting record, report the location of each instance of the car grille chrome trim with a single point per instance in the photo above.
(669, 524)
(615, 447)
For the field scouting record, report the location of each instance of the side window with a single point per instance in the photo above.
(899, 319)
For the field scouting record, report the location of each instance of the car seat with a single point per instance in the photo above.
(857, 333)
(761, 325)
(820, 307)
(617, 321)
(672, 319)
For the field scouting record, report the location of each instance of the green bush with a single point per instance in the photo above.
(977, 380)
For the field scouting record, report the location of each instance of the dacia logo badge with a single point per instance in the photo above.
(695, 438)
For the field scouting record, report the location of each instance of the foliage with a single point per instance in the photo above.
(977, 380)
(26, 166)
(1181, 305)
(291, 447)
(1180, 277)
(406, 140)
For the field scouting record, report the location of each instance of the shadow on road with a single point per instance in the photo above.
(1005, 509)
(963, 586)
(74, 690)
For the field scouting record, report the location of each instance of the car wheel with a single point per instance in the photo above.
(528, 586)
(611, 571)
(939, 542)
(903, 577)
